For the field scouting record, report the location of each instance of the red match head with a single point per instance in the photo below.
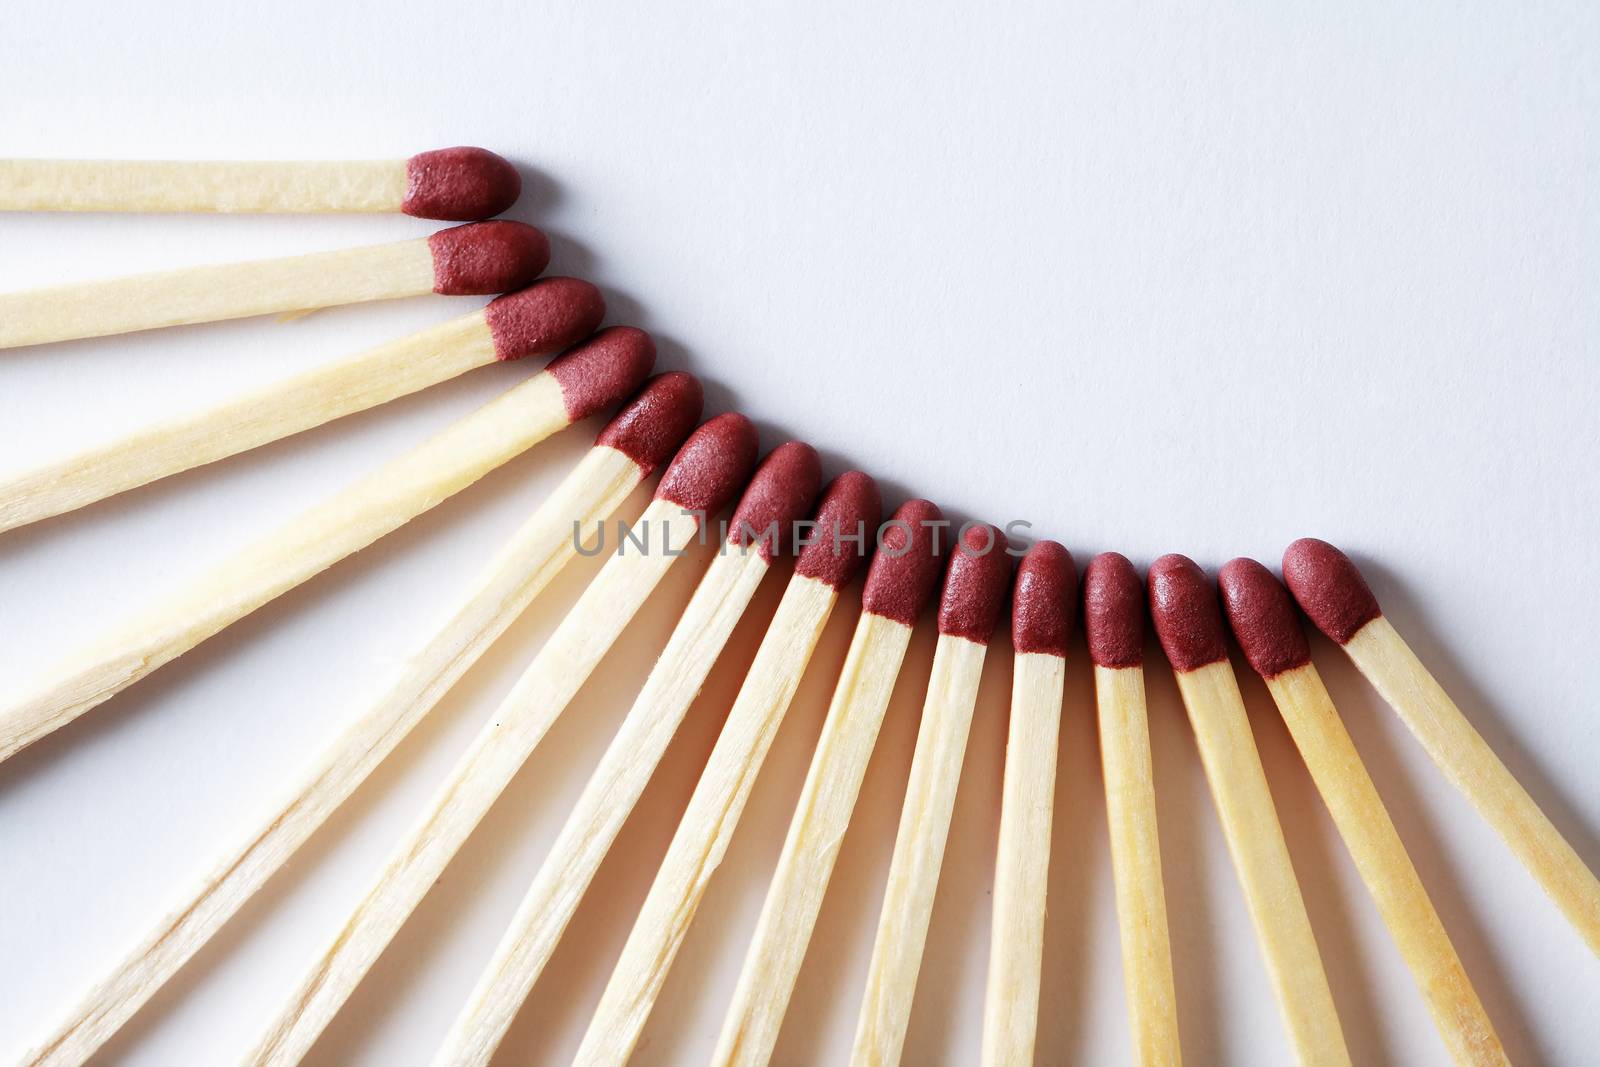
(656, 421)
(906, 567)
(846, 523)
(487, 257)
(1183, 605)
(711, 466)
(1044, 602)
(1330, 590)
(780, 494)
(459, 184)
(1264, 619)
(975, 584)
(547, 316)
(1113, 611)
(603, 371)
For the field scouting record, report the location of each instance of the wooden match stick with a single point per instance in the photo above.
(475, 259)
(631, 447)
(719, 797)
(705, 474)
(851, 508)
(1113, 622)
(899, 583)
(548, 316)
(585, 380)
(1183, 604)
(1267, 626)
(1337, 599)
(1044, 604)
(456, 184)
(975, 590)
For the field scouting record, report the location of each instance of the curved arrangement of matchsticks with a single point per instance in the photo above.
(782, 509)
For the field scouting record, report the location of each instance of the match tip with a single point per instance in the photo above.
(780, 494)
(487, 257)
(1329, 588)
(604, 370)
(1264, 619)
(711, 466)
(547, 316)
(906, 567)
(1045, 601)
(656, 421)
(1183, 605)
(975, 584)
(459, 184)
(846, 522)
(1113, 611)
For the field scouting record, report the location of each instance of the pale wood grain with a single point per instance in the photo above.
(1022, 861)
(918, 852)
(1136, 865)
(708, 822)
(202, 185)
(1261, 859)
(541, 547)
(1385, 867)
(249, 421)
(708, 621)
(349, 520)
(866, 682)
(1471, 766)
(516, 727)
(216, 292)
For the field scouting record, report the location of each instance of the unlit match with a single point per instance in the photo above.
(976, 584)
(548, 316)
(630, 448)
(1113, 621)
(900, 581)
(1267, 626)
(582, 382)
(476, 259)
(1044, 605)
(730, 772)
(1337, 599)
(703, 477)
(1183, 605)
(617, 783)
(455, 184)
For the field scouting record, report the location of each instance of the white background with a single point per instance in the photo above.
(1197, 278)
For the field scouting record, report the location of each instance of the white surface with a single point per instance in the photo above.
(1154, 278)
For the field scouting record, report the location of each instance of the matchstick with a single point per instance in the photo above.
(850, 508)
(455, 184)
(475, 259)
(1267, 626)
(1337, 599)
(548, 316)
(899, 583)
(719, 797)
(1044, 605)
(705, 474)
(585, 380)
(1188, 620)
(1113, 622)
(976, 583)
(630, 448)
